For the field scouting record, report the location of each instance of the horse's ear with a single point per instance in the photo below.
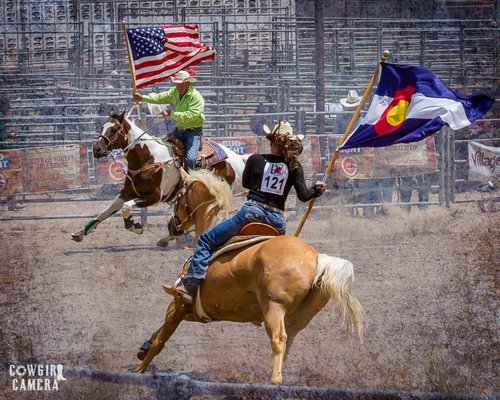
(128, 113)
(121, 116)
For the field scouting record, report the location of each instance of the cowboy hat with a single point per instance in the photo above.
(183, 76)
(281, 128)
(290, 145)
(352, 100)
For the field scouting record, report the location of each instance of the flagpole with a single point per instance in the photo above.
(131, 66)
(354, 118)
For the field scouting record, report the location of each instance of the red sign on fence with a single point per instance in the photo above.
(43, 169)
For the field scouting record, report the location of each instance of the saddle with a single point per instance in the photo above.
(258, 228)
(250, 234)
(209, 153)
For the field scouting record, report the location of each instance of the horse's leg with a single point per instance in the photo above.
(115, 206)
(172, 234)
(143, 350)
(297, 321)
(176, 312)
(274, 320)
(128, 206)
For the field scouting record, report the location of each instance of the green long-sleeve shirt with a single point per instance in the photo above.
(188, 113)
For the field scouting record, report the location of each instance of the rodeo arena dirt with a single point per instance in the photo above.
(418, 221)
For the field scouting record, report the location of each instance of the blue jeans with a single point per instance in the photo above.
(407, 184)
(191, 141)
(212, 239)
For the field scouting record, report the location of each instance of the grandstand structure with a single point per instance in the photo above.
(61, 55)
(63, 63)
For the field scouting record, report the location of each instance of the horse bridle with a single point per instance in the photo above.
(108, 145)
(181, 197)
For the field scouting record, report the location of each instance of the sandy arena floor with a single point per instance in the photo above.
(428, 281)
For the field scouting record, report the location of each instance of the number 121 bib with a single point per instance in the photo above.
(274, 178)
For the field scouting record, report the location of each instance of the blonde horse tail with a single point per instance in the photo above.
(334, 277)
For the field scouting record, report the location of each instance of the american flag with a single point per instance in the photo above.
(159, 52)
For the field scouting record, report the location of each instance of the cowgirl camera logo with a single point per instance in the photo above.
(36, 377)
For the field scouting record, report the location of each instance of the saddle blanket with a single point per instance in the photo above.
(217, 156)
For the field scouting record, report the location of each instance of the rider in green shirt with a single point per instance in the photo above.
(188, 114)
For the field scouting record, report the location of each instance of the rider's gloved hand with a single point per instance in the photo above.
(320, 187)
(137, 96)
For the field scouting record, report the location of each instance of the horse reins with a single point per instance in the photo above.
(130, 174)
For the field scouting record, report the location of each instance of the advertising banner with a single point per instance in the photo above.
(382, 162)
(484, 162)
(53, 168)
(110, 170)
(42, 169)
(240, 145)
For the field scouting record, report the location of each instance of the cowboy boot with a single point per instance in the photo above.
(186, 289)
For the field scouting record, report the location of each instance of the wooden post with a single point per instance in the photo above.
(132, 71)
(354, 118)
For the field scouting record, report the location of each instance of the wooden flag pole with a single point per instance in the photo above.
(132, 74)
(354, 118)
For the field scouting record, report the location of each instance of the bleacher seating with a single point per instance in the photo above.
(57, 59)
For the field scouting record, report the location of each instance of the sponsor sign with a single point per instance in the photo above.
(54, 168)
(484, 162)
(3, 182)
(109, 170)
(383, 162)
(240, 145)
(41, 169)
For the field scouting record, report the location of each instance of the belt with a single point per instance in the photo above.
(266, 206)
(188, 129)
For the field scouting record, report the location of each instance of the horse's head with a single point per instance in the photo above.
(113, 135)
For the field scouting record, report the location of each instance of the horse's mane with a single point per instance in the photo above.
(216, 186)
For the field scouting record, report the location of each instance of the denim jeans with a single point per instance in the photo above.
(191, 141)
(213, 238)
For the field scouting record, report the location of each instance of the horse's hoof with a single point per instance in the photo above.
(143, 350)
(163, 242)
(137, 229)
(77, 236)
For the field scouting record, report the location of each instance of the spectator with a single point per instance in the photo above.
(258, 121)
(374, 190)
(406, 186)
(4, 109)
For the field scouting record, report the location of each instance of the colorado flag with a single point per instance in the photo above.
(410, 104)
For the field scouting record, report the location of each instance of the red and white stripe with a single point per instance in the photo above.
(181, 51)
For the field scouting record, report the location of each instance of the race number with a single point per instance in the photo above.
(274, 178)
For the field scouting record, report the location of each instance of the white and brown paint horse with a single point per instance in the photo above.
(253, 284)
(152, 176)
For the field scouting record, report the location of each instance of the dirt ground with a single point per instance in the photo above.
(428, 281)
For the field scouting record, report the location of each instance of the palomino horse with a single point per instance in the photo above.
(253, 285)
(152, 175)
(203, 200)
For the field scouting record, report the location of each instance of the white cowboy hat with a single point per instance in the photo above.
(183, 76)
(283, 128)
(352, 100)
